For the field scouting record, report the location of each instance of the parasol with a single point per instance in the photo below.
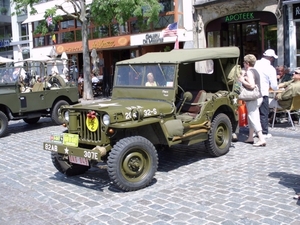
(64, 58)
(5, 60)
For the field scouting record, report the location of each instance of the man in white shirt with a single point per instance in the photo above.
(268, 79)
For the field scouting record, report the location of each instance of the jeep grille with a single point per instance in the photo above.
(85, 134)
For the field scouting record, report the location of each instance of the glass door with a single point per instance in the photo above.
(243, 35)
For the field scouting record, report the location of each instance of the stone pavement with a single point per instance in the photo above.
(247, 186)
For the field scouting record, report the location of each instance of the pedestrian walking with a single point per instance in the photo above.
(249, 79)
(268, 79)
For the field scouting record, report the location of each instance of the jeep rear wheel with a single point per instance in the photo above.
(55, 114)
(132, 163)
(65, 167)
(3, 124)
(31, 120)
(219, 136)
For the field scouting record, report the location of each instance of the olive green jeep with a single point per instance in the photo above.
(26, 92)
(158, 100)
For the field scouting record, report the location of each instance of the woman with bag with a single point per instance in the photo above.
(250, 81)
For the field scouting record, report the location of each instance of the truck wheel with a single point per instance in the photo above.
(132, 163)
(56, 112)
(65, 167)
(3, 124)
(31, 120)
(219, 136)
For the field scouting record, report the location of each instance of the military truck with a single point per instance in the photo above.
(192, 101)
(28, 93)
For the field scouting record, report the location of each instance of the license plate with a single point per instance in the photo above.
(70, 139)
(56, 138)
(78, 160)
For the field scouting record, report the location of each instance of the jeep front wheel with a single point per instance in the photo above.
(219, 136)
(132, 163)
(63, 165)
(55, 114)
(3, 124)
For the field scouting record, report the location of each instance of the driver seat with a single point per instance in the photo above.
(191, 109)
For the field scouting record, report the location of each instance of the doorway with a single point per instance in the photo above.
(253, 35)
(246, 36)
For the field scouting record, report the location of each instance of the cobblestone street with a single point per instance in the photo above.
(249, 185)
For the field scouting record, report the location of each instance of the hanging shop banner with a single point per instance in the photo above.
(103, 43)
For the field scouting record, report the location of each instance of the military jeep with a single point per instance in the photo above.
(191, 101)
(28, 93)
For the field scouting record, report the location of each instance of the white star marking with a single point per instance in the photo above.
(234, 101)
(66, 150)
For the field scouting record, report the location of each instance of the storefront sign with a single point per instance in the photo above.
(4, 43)
(239, 17)
(153, 38)
(296, 11)
(104, 43)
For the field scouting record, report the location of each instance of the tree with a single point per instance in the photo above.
(110, 11)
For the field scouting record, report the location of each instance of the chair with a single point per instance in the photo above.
(295, 106)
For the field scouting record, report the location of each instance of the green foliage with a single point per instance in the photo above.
(105, 12)
(20, 5)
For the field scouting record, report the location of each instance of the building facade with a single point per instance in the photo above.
(291, 14)
(5, 30)
(113, 43)
(253, 26)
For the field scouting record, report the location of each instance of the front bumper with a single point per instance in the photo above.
(94, 154)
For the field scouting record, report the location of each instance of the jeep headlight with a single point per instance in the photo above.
(106, 119)
(66, 116)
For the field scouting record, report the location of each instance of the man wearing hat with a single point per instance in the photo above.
(291, 89)
(268, 79)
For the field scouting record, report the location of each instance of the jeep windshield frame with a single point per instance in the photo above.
(137, 75)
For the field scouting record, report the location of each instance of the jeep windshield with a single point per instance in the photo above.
(150, 75)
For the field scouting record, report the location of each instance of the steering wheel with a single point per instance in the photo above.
(179, 97)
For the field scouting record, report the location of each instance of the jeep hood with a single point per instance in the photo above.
(147, 107)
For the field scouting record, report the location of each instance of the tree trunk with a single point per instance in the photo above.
(88, 93)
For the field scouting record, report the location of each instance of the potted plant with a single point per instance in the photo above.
(3, 10)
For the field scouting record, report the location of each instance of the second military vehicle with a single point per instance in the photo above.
(27, 92)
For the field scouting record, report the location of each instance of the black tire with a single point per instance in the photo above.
(3, 124)
(31, 120)
(132, 163)
(55, 111)
(65, 167)
(219, 136)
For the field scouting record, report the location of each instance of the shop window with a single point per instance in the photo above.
(134, 27)
(67, 37)
(166, 5)
(39, 41)
(164, 21)
(213, 39)
(67, 24)
(297, 25)
(24, 32)
(78, 35)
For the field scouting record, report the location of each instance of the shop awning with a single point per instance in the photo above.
(34, 18)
